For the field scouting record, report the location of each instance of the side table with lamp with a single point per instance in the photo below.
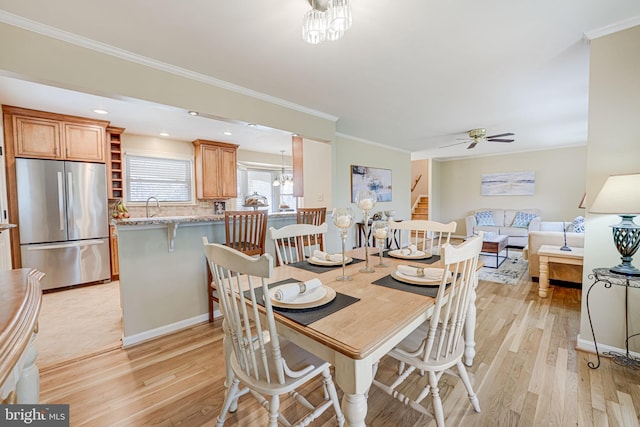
(619, 195)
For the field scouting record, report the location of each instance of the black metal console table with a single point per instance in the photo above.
(608, 279)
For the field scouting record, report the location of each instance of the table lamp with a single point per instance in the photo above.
(621, 195)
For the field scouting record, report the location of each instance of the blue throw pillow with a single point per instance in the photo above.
(484, 218)
(522, 219)
(578, 224)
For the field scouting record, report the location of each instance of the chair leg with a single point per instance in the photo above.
(274, 407)
(333, 395)
(229, 399)
(438, 411)
(464, 376)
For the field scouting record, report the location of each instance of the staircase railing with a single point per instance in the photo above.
(413, 187)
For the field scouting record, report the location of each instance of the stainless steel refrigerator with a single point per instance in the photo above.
(64, 223)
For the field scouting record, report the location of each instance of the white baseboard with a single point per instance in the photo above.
(589, 347)
(165, 330)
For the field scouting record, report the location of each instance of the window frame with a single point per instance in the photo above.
(159, 155)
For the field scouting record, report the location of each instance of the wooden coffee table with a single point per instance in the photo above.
(494, 244)
(549, 253)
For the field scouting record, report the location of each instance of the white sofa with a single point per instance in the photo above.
(503, 219)
(550, 233)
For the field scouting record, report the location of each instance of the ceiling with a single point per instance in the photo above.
(412, 74)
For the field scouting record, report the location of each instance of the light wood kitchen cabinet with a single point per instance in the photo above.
(216, 169)
(43, 135)
(115, 264)
(114, 163)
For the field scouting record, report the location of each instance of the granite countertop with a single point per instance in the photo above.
(157, 220)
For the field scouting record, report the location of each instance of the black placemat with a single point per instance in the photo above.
(319, 269)
(308, 315)
(390, 282)
(434, 258)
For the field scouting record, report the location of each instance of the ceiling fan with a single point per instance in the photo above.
(480, 134)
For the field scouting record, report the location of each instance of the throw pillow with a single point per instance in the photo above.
(578, 224)
(522, 219)
(484, 218)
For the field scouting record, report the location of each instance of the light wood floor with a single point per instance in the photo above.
(526, 373)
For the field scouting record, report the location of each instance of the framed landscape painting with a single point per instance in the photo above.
(508, 184)
(374, 179)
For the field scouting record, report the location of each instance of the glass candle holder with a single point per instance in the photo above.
(343, 219)
(366, 200)
(380, 231)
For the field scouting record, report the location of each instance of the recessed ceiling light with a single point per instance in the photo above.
(164, 134)
(99, 111)
(193, 113)
(227, 133)
(252, 125)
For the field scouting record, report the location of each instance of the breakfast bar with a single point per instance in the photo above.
(163, 273)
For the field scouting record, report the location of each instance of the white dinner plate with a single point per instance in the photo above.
(416, 255)
(318, 261)
(316, 298)
(414, 280)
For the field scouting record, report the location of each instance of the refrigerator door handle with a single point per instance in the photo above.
(61, 201)
(70, 196)
(75, 244)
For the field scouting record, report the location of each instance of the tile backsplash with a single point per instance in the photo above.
(203, 207)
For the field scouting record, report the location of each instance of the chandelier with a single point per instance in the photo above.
(327, 20)
(283, 178)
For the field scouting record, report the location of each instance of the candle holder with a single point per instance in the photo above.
(343, 219)
(366, 200)
(380, 230)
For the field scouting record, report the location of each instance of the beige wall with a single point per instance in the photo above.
(349, 152)
(46, 60)
(560, 184)
(614, 148)
(419, 167)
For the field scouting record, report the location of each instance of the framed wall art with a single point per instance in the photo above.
(508, 184)
(374, 179)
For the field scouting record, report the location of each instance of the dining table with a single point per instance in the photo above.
(372, 317)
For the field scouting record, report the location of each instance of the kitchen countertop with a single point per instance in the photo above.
(179, 219)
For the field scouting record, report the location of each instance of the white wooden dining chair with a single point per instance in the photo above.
(296, 242)
(438, 344)
(428, 236)
(266, 365)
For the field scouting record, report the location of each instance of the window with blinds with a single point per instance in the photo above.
(169, 180)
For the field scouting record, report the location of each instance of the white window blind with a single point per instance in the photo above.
(167, 179)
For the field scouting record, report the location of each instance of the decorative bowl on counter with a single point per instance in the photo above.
(255, 201)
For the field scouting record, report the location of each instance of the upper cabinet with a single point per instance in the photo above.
(44, 135)
(216, 170)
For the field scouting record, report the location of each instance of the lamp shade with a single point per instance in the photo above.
(619, 195)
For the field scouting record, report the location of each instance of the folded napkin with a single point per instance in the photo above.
(291, 291)
(428, 273)
(327, 256)
(409, 250)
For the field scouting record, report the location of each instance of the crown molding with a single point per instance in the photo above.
(610, 29)
(377, 144)
(55, 33)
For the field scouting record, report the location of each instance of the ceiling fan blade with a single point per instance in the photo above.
(473, 144)
(501, 140)
(502, 134)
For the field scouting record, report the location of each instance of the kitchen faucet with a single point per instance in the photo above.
(157, 206)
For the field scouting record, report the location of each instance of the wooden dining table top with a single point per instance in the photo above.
(357, 330)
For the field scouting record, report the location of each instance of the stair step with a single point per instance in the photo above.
(421, 210)
(423, 205)
(419, 216)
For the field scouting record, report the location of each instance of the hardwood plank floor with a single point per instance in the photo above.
(526, 373)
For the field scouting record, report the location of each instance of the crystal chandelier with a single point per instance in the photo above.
(327, 20)
(283, 178)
